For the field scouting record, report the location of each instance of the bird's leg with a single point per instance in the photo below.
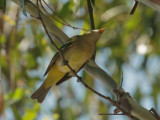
(79, 79)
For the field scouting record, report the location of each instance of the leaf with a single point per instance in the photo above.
(66, 10)
(15, 96)
(23, 8)
(2, 39)
(24, 11)
(3, 5)
(31, 63)
(93, 2)
(18, 94)
(31, 113)
(16, 112)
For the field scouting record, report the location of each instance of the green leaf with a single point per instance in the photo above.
(23, 7)
(3, 5)
(93, 2)
(16, 113)
(18, 94)
(15, 96)
(66, 10)
(31, 62)
(31, 113)
(24, 11)
(2, 39)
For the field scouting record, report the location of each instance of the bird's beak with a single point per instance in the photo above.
(101, 30)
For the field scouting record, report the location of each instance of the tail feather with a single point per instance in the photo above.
(40, 94)
(53, 76)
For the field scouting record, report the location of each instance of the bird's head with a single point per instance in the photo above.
(94, 35)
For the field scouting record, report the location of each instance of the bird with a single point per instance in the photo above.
(78, 51)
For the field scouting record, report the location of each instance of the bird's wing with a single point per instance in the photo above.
(65, 78)
(64, 47)
(51, 63)
(68, 76)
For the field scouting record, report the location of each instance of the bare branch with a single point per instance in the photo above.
(155, 113)
(90, 11)
(134, 7)
(54, 18)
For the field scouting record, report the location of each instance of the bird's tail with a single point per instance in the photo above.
(41, 93)
(53, 77)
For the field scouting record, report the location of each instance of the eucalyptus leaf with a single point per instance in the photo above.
(93, 2)
(3, 5)
(23, 7)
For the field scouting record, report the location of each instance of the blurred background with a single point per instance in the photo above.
(131, 43)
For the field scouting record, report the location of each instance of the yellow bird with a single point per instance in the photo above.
(78, 51)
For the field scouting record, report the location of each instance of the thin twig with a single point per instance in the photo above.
(90, 10)
(155, 113)
(64, 22)
(111, 114)
(40, 18)
(121, 80)
(133, 118)
(134, 7)
(91, 18)
(52, 11)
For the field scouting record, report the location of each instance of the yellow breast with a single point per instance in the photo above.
(77, 55)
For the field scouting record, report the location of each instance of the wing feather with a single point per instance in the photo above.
(63, 48)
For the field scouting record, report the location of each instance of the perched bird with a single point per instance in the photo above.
(77, 51)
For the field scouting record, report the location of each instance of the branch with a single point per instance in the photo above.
(126, 102)
(61, 21)
(90, 10)
(134, 7)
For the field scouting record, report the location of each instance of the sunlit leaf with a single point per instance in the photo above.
(15, 96)
(31, 113)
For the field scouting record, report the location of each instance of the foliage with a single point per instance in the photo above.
(3, 5)
(23, 7)
(130, 42)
